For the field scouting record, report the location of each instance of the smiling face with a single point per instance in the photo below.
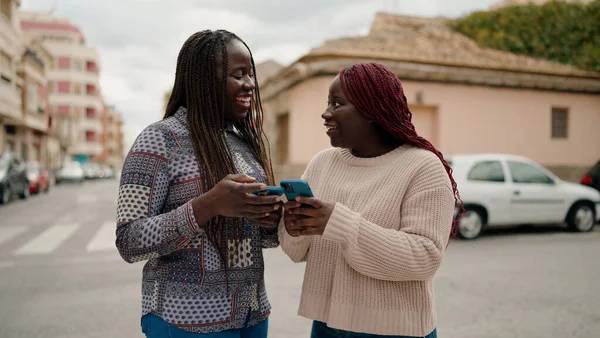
(346, 126)
(239, 79)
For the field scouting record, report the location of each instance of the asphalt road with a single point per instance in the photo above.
(60, 276)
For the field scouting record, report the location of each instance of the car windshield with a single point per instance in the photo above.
(72, 165)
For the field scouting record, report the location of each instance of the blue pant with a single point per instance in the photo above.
(155, 327)
(321, 330)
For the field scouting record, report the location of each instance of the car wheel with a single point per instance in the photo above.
(5, 198)
(581, 218)
(471, 224)
(25, 193)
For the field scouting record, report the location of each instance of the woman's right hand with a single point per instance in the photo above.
(289, 217)
(232, 197)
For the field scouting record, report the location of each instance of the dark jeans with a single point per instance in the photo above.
(156, 327)
(321, 330)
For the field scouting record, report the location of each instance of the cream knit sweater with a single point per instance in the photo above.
(372, 269)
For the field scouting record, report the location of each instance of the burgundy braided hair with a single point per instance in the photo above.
(377, 93)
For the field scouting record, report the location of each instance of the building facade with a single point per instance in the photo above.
(464, 98)
(10, 52)
(73, 83)
(33, 129)
(112, 138)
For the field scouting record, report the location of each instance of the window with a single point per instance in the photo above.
(560, 125)
(64, 62)
(77, 88)
(77, 65)
(525, 173)
(90, 113)
(90, 136)
(63, 109)
(64, 87)
(487, 171)
(10, 130)
(91, 67)
(76, 113)
(91, 89)
(50, 87)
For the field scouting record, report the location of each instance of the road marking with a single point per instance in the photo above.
(8, 233)
(104, 239)
(87, 199)
(48, 240)
(100, 258)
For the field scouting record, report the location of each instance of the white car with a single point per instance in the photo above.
(70, 172)
(499, 189)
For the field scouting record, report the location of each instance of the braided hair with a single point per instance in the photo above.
(196, 89)
(378, 94)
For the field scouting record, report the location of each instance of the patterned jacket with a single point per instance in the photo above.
(183, 279)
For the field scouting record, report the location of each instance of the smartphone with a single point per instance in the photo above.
(295, 188)
(270, 191)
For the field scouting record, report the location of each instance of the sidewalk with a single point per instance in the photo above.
(284, 283)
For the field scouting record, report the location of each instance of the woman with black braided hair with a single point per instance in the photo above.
(185, 200)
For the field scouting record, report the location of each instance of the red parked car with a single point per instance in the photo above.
(39, 177)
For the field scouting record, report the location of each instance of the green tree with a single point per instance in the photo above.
(558, 31)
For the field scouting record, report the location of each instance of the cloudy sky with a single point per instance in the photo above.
(138, 40)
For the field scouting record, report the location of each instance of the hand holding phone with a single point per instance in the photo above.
(268, 221)
(306, 216)
(296, 188)
(270, 191)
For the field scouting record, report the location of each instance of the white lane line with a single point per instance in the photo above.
(104, 239)
(48, 240)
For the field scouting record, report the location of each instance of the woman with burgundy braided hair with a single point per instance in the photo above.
(185, 204)
(375, 233)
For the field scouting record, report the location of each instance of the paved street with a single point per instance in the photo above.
(60, 276)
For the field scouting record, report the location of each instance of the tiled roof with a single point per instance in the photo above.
(431, 41)
(266, 69)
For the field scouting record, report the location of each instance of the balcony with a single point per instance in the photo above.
(91, 124)
(73, 76)
(86, 148)
(9, 33)
(39, 123)
(10, 102)
(76, 100)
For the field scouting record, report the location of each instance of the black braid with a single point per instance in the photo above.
(195, 88)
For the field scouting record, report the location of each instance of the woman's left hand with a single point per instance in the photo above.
(270, 221)
(308, 216)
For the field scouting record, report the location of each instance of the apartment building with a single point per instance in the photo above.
(32, 131)
(112, 138)
(10, 98)
(73, 83)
